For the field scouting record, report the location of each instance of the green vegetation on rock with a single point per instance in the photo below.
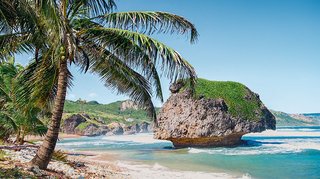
(83, 125)
(240, 100)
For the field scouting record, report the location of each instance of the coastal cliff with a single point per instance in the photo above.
(218, 114)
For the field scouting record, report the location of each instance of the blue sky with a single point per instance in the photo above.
(272, 46)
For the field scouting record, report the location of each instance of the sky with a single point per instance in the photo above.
(271, 46)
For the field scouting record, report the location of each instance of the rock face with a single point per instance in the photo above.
(201, 122)
(144, 127)
(90, 130)
(84, 125)
(129, 130)
(128, 105)
(115, 129)
(72, 122)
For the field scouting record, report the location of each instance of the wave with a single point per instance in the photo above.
(299, 130)
(144, 141)
(265, 147)
(85, 143)
(286, 133)
(138, 138)
(159, 171)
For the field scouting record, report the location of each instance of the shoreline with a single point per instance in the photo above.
(33, 138)
(141, 170)
(101, 164)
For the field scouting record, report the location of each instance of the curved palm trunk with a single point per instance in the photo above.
(45, 151)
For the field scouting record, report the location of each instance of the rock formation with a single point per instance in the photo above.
(144, 127)
(115, 129)
(72, 122)
(128, 105)
(84, 125)
(195, 120)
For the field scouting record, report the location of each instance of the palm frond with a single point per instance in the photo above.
(59, 155)
(151, 22)
(11, 44)
(119, 42)
(39, 83)
(16, 15)
(142, 63)
(94, 7)
(121, 78)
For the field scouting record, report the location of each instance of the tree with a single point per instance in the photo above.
(89, 34)
(16, 118)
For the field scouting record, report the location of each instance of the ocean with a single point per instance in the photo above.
(288, 152)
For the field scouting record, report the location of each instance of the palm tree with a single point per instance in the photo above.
(89, 34)
(17, 118)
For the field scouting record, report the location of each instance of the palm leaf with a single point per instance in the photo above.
(118, 76)
(151, 22)
(119, 42)
(94, 7)
(142, 62)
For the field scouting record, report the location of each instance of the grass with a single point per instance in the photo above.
(83, 125)
(240, 101)
(2, 155)
(59, 156)
(14, 173)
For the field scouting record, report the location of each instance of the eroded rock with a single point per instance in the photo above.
(72, 122)
(189, 121)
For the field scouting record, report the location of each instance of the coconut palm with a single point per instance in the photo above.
(90, 34)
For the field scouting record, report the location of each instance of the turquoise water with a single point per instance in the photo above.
(289, 152)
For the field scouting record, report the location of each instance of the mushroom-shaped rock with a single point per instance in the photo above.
(218, 114)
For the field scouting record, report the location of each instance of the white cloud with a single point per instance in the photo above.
(93, 95)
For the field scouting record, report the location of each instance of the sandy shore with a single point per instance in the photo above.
(136, 170)
(33, 138)
(97, 165)
(106, 164)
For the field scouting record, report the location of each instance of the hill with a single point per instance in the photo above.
(107, 113)
(284, 119)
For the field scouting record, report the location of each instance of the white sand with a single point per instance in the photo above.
(139, 171)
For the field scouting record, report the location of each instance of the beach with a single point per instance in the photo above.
(99, 165)
(265, 155)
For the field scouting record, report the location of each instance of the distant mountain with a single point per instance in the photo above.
(284, 119)
(313, 115)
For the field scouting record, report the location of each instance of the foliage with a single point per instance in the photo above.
(16, 118)
(14, 173)
(59, 155)
(2, 155)
(239, 99)
(93, 102)
(83, 125)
